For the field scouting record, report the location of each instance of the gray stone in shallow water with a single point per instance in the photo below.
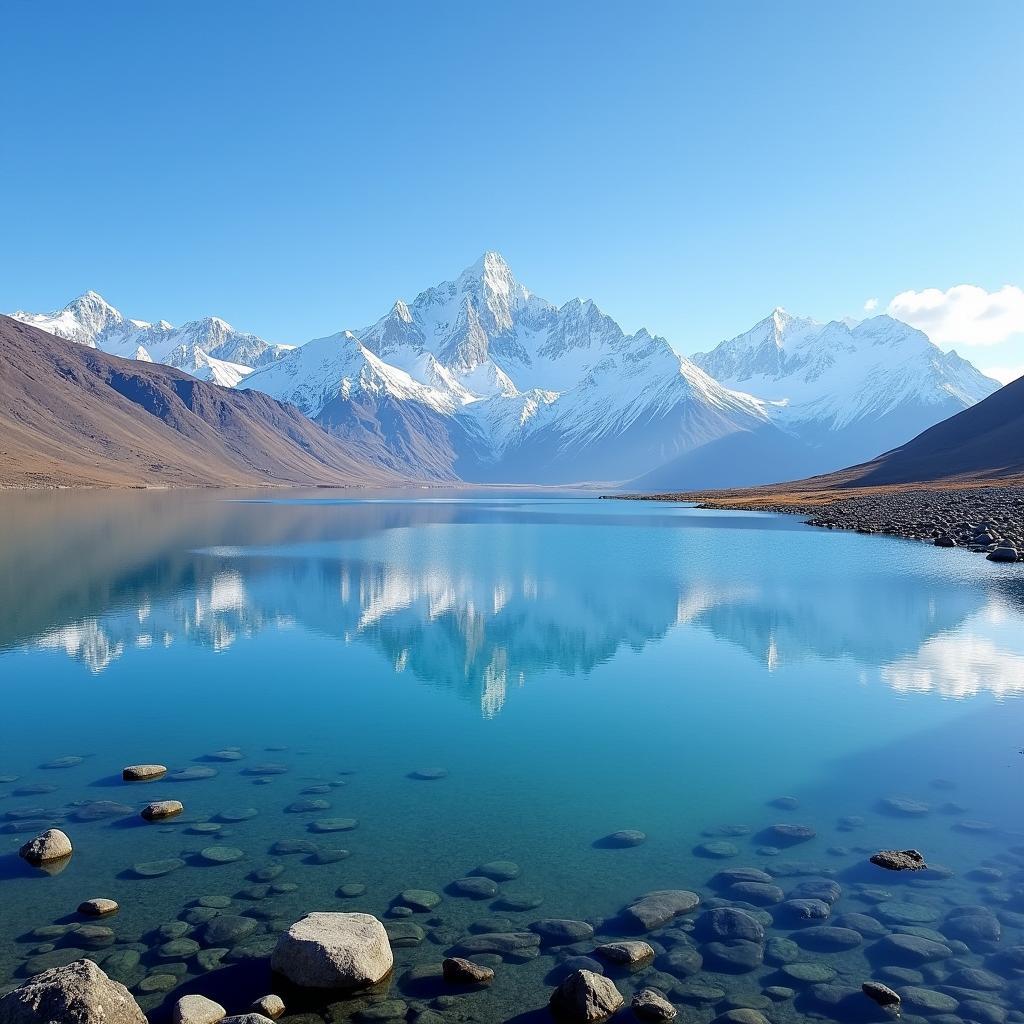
(197, 1009)
(517, 902)
(475, 887)
(161, 810)
(629, 953)
(912, 949)
(333, 825)
(624, 838)
(761, 894)
(827, 938)
(717, 850)
(334, 951)
(419, 899)
(789, 835)
(881, 994)
(725, 923)
(561, 931)
(734, 955)
(899, 860)
(649, 1004)
(429, 774)
(79, 992)
(228, 930)
(98, 907)
(143, 772)
(221, 854)
(51, 845)
(499, 870)
(457, 971)
(157, 868)
(270, 1006)
(586, 997)
(403, 934)
(656, 909)
(502, 943)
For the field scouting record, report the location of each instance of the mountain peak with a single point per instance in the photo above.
(93, 303)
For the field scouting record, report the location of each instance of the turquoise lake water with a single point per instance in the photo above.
(572, 667)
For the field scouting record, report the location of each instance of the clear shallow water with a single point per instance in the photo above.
(576, 666)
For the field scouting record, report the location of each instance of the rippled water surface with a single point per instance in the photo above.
(571, 667)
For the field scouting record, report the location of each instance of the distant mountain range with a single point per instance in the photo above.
(480, 380)
(982, 443)
(72, 415)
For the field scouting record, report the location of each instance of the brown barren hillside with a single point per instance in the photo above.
(72, 416)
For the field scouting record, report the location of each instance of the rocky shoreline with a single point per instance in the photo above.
(986, 520)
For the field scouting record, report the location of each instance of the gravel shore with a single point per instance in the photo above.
(988, 520)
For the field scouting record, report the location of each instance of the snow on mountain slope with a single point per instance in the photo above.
(195, 347)
(834, 374)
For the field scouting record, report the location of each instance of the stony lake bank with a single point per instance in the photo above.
(987, 520)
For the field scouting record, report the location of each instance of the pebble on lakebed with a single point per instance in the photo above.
(899, 860)
(161, 810)
(98, 907)
(143, 772)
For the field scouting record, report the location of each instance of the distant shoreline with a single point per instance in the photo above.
(983, 517)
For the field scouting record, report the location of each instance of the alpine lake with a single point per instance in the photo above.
(437, 707)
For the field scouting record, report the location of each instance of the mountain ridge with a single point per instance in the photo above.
(71, 415)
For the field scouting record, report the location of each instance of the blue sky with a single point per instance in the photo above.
(294, 168)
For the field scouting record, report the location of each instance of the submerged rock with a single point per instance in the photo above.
(160, 810)
(51, 845)
(98, 907)
(196, 1009)
(656, 909)
(649, 1004)
(457, 971)
(270, 1006)
(899, 860)
(79, 992)
(143, 772)
(586, 997)
(629, 953)
(881, 994)
(334, 951)
(624, 838)
(561, 931)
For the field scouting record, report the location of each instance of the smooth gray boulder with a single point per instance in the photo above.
(334, 951)
(196, 1009)
(656, 909)
(78, 993)
(51, 845)
(586, 997)
(649, 1004)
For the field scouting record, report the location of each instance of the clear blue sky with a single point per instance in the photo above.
(296, 167)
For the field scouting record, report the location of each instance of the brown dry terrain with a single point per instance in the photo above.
(71, 416)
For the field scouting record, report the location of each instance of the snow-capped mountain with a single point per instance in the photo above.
(210, 349)
(507, 386)
(479, 379)
(847, 390)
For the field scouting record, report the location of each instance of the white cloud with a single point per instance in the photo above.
(1003, 374)
(964, 314)
(871, 305)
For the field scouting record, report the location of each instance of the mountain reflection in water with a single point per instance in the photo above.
(481, 596)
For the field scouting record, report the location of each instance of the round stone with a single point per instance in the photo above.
(98, 907)
(51, 846)
(333, 825)
(143, 772)
(625, 838)
(476, 887)
(161, 810)
(334, 951)
(221, 854)
(717, 850)
(157, 868)
(351, 890)
(429, 774)
(499, 870)
(231, 815)
(419, 899)
(790, 835)
(808, 974)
